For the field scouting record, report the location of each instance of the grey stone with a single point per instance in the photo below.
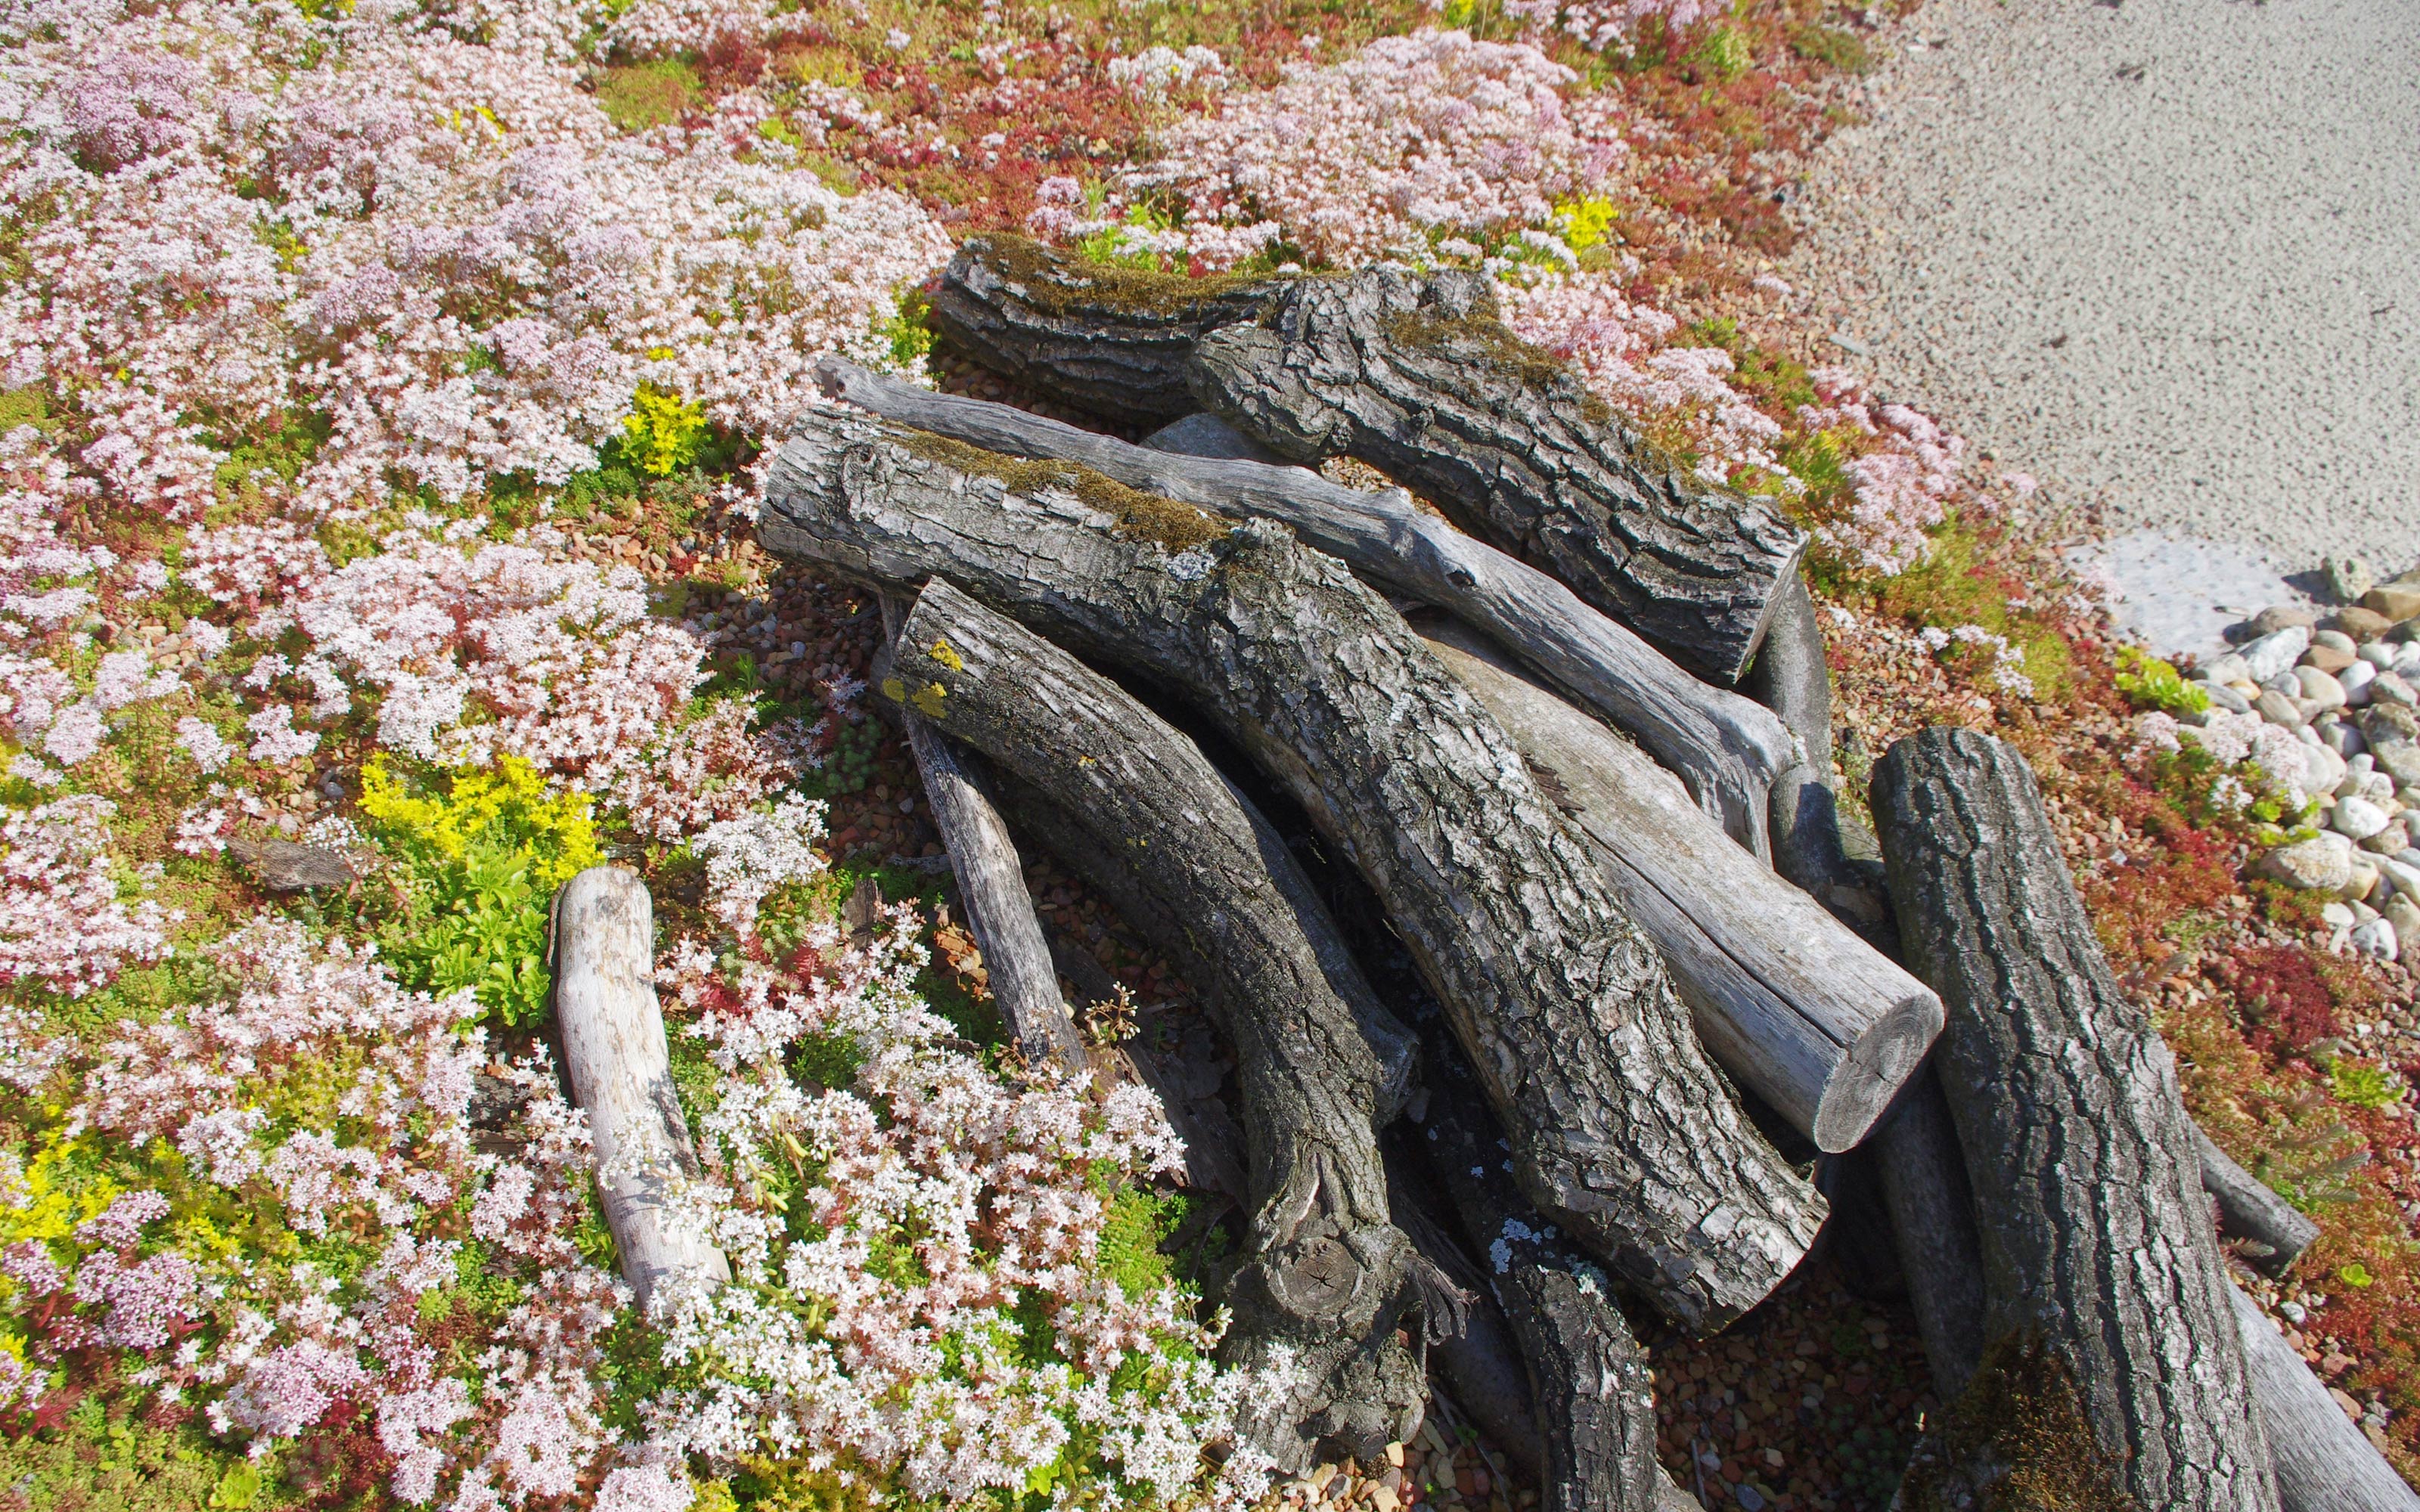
(2277, 708)
(2340, 916)
(2356, 681)
(2402, 913)
(2375, 939)
(2227, 669)
(2338, 737)
(2349, 578)
(2332, 640)
(2379, 653)
(2278, 617)
(2320, 688)
(2313, 864)
(2391, 841)
(2393, 687)
(2356, 818)
(2223, 697)
(2404, 874)
(2275, 652)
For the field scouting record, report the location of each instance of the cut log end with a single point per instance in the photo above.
(1876, 1067)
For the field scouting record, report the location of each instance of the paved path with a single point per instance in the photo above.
(2165, 255)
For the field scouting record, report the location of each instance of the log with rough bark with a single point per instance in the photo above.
(1620, 1127)
(1589, 1382)
(2273, 1234)
(1418, 377)
(2096, 1240)
(1115, 341)
(991, 884)
(1725, 747)
(1326, 1274)
(620, 1067)
(1933, 1224)
(1807, 1015)
(2324, 1465)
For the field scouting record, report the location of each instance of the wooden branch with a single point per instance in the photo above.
(1418, 377)
(1620, 1127)
(1114, 341)
(1725, 747)
(1589, 1382)
(1322, 1064)
(1933, 1222)
(1805, 1013)
(2274, 1233)
(991, 884)
(620, 1066)
(2324, 1462)
(2088, 1191)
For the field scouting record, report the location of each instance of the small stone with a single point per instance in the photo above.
(2338, 915)
(2275, 652)
(2357, 818)
(2355, 680)
(2278, 617)
(1750, 1499)
(2312, 864)
(2393, 687)
(2327, 767)
(2402, 915)
(2328, 658)
(2223, 697)
(2278, 709)
(2376, 940)
(2390, 840)
(2349, 578)
(1395, 1454)
(2333, 639)
(2394, 601)
(2227, 669)
(2320, 688)
(2362, 624)
(2366, 877)
(2379, 653)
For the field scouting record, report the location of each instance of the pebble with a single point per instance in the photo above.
(2355, 679)
(2320, 688)
(2338, 915)
(2277, 708)
(2402, 915)
(2278, 617)
(2329, 658)
(2339, 736)
(2227, 669)
(2362, 624)
(2376, 940)
(2349, 578)
(2223, 697)
(2393, 687)
(2272, 654)
(2378, 654)
(2314, 864)
(2332, 640)
(2397, 601)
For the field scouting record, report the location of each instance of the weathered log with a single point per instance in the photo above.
(1321, 1063)
(1725, 747)
(1114, 341)
(2088, 1191)
(1589, 1382)
(620, 1066)
(1805, 1013)
(1417, 376)
(1620, 1127)
(2274, 1233)
(2324, 1465)
(1932, 1223)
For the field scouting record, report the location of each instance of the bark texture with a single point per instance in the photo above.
(1620, 1127)
(991, 884)
(2274, 1233)
(1418, 377)
(2088, 1191)
(2324, 1462)
(1933, 1222)
(1803, 1013)
(1725, 747)
(1112, 340)
(614, 1051)
(1321, 1063)
(1589, 1382)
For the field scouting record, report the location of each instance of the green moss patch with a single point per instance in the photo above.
(1147, 517)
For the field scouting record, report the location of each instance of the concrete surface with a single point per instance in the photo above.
(2166, 257)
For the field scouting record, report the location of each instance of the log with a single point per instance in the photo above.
(2324, 1465)
(1326, 1274)
(1622, 1129)
(2273, 1234)
(1932, 1225)
(1417, 376)
(1805, 1013)
(991, 884)
(1725, 747)
(1589, 1382)
(620, 1066)
(1115, 341)
(1814, 845)
(2087, 1190)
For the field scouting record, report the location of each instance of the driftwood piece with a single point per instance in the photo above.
(620, 1066)
(991, 884)
(1418, 377)
(1114, 341)
(282, 866)
(1724, 745)
(1622, 1129)
(1932, 1223)
(1803, 1012)
(2324, 1465)
(1589, 1382)
(2088, 1191)
(1321, 1063)
(2274, 1233)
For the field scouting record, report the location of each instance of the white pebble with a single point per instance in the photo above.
(2376, 940)
(2320, 688)
(2394, 688)
(2356, 681)
(2338, 915)
(2272, 654)
(2357, 818)
(2378, 653)
(2227, 669)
